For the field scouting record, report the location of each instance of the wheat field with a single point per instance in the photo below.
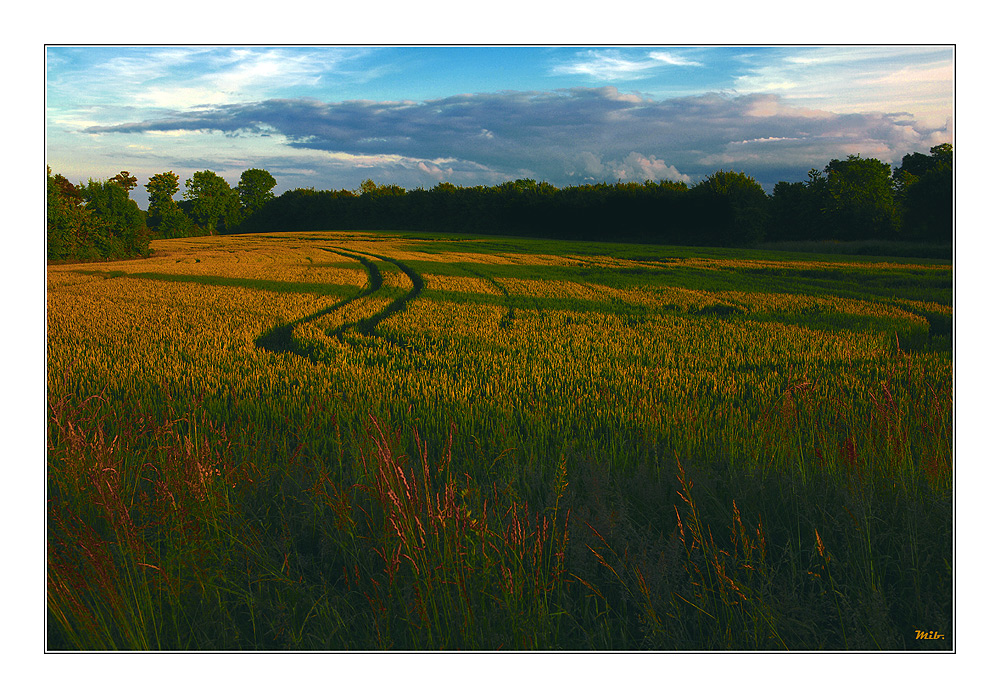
(333, 440)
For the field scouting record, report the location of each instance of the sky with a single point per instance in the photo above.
(330, 117)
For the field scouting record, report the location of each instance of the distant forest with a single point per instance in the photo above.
(852, 199)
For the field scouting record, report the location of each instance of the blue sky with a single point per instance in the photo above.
(331, 116)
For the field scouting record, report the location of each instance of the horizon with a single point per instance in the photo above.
(330, 117)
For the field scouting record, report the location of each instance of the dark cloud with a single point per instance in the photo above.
(566, 136)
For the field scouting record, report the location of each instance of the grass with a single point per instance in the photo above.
(502, 445)
(879, 248)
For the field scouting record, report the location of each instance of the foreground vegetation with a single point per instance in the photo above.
(346, 441)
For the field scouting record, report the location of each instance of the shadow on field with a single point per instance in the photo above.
(280, 340)
(230, 282)
(367, 325)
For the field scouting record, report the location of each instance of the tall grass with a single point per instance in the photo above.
(841, 545)
(161, 539)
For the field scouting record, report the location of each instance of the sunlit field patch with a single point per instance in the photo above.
(462, 284)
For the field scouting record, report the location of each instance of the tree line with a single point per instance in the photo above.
(100, 221)
(851, 199)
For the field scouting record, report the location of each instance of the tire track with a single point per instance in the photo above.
(508, 317)
(279, 339)
(366, 326)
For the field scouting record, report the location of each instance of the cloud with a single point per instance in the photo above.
(233, 75)
(671, 59)
(562, 136)
(638, 167)
(613, 65)
(852, 79)
(187, 77)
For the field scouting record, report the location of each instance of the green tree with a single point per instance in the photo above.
(161, 189)
(125, 181)
(254, 190)
(67, 189)
(858, 199)
(371, 189)
(118, 225)
(164, 215)
(925, 191)
(67, 221)
(214, 204)
(944, 154)
(737, 204)
(919, 164)
(795, 212)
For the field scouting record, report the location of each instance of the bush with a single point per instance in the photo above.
(98, 220)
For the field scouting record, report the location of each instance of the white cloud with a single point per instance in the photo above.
(402, 170)
(587, 164)
(183, 77)
(606, 64)
(434, 171)
(138, 66)
(638, 167)
(671, 59)
(769, 139)
(235, 75)
(179, 97)
(254, 72)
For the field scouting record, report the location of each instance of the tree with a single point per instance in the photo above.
(67, 222)
(92, 221)
(795, 211)
(66, 189)
(371, 188)
(164, 215)
(124, 180)
(161, 189)
(925, 192)
(119, 226)
(214, 204)
(858, 199)
(254, 190)
(911, 169)
(943, 154)
(736, 206)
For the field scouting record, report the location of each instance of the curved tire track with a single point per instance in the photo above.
(367, 325)
(279, 339)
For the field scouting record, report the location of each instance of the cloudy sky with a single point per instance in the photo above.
(330, 117)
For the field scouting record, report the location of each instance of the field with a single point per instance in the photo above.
(317, 441)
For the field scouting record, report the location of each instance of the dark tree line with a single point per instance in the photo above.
(727, 208)
(852, 199)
